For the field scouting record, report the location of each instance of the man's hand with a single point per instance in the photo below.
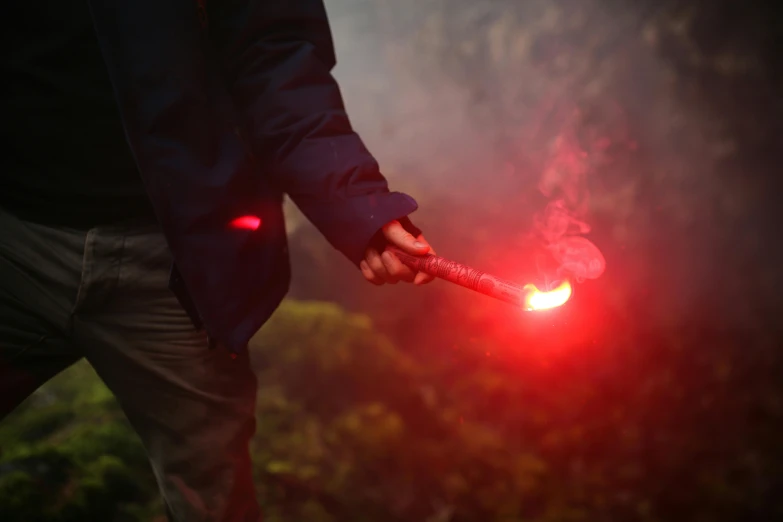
(379, 268)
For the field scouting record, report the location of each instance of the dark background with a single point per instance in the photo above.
(655, 394)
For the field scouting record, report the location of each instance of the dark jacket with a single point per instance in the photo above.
(222, 123)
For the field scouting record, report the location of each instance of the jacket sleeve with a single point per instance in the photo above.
(278, 57)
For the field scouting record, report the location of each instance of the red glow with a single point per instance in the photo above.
(247, 223)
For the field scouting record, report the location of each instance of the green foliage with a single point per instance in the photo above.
(353, 428)
(68, 454)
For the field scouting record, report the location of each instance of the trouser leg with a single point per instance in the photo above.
(40, 270)
(193, 406)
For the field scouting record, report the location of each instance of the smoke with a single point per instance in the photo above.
(485, 103)
(559, 117)
(563, 223)
(454, 95)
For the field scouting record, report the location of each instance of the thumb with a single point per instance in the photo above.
(404, 240)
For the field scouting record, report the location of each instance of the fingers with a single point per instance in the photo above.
(397, 268)
(369, 274)
(384, 268)
(401, 238)
(378, 268)
(422, 278)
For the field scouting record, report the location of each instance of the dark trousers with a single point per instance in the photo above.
(102, 294)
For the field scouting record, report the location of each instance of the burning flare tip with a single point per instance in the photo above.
(538, 300)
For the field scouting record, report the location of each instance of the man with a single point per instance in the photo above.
(159, 260)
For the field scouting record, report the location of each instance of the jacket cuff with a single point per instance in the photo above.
(352, 228)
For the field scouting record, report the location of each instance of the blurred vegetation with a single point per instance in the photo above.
(654, 396)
